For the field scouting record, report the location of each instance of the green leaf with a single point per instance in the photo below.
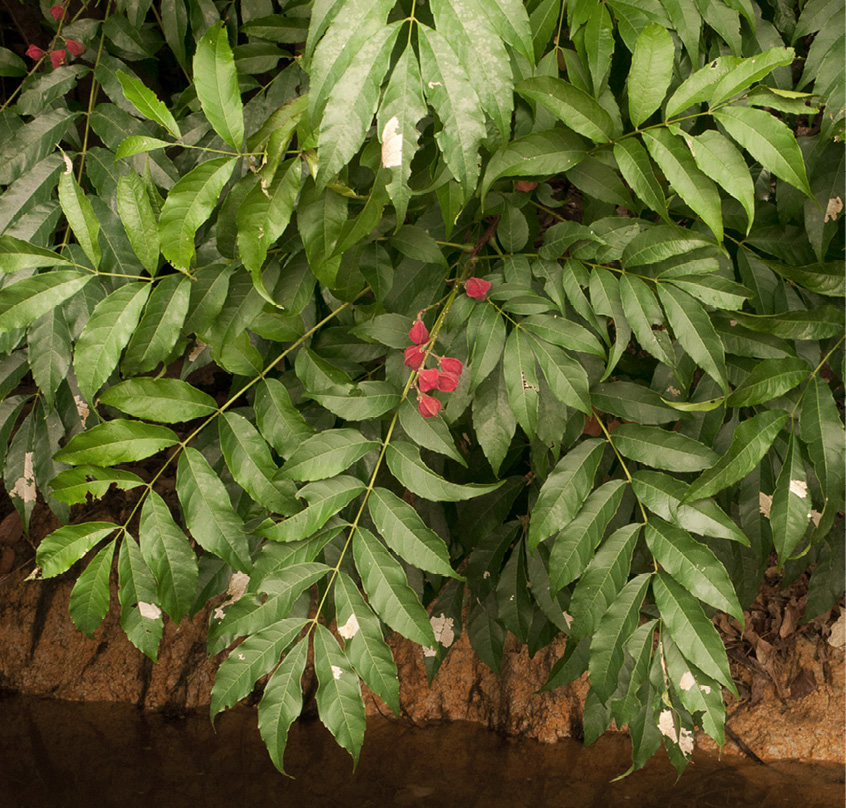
(216, 82)
(170, 401)
(405, 464)
(325, 499)
(539, 154)
(636, 169)
(650, 73)
(642, 311)
(105, 335)
(16, 254)
(190, 203)
(805, 324)
(486, 339)
(364, 401)
(75, 485)
(575, 543)
(147, 103)
(515, 608)
(769, 379)
(252, 659)
(752, 438)
(364, 645)
(691, 630)
(388, 591)
(564, 333)
(662, 448)
(699, 86)
(416, 243)
(573, 106)
(695, 332)
(663, 495)
(564, 491)
(117, 441)
(521, 381)
(339, 702)
(599, 46)
(679, 167)
(769, 141)
(139, 221)
(169, 556)
(61, 549)
(407, 535)
(25, 301)
(468, 30)
(566, 377)
(401, 109)
(327, 454)
(430, 433)
(633, 402)
(209, 514)
(606, 300)
(824, 279)
(821, 429)
(602, 581)
(790, 514)
(11, 65)
(139, 144)
(279, 422)
(140, 617)
(749, 71)
(49, 352)
(448, 89)
(718, 158)
(80, 215)
(693, 565)
(31, 143)
(248, 458)
(282, 702)
(511, 21)
(352, 103)
(713, 290)
(154, 340)
(615, 627)
(660, 242)
(89, 598)
(493, 420)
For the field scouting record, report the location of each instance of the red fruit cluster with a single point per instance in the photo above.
(58, 56)
(444, 379)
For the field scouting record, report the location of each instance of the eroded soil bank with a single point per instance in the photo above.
(790, 677)
(60, 753)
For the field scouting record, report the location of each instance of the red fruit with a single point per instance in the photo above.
(57, 11)
(34, 52)
(57, 57)
(414, 356)
(447, 382)
(76, 48)
(477, 288)
(427, 380)
(418, 334)
(450, 365)
(428, 406)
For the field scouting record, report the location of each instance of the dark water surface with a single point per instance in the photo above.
(92, 755)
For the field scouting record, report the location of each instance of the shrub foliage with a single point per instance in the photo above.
(467, 316)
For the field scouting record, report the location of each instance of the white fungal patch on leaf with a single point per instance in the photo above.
(336, 672)
(24, 488)
(241, 656)
(667, 726)
(815, 517)
(833, 209)
(433, 84)
(198, 348)
(705, 689)
(765, 503)
(430, 652)
(799, 487)
(350, 628)
(219, 613)
(391, 144)
(568, 618)
(237, 586)
(686, 742)
(149, 610)
(674, 390)
(444, 629)
(68, 164)
(687, 681)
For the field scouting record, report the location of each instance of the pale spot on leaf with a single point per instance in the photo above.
(815, 517)
(444, 629)
(237, 586)
(687, 681)
(241, 656)
(837, 638)
(219, 613)
(799, 487)
(667, 726)
(705, 689)
(429, 652)
(674, 390)
(765, 503)
(68, 164)
(350, 628)
(433, 84)
(686, 742)
(568, 618)
(391, 144)
(833, 209)
(25, 486)
(81, 408)
(336, 672)
(198, 348)
(149, 610)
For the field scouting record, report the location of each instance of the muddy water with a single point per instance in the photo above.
(92, 755)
